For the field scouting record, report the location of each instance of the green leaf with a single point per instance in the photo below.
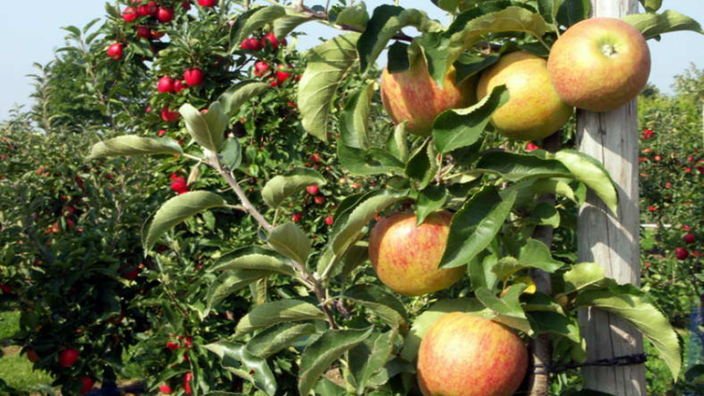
(368, 162)
(582, 276)
(481, 272)
(573, 11)
(543, 322)
(327, 65)
(423, 165)
(285, 25)
(323, 352)
(231, 154)
(134, 145)
(536, 254)
(508, 307)
(548, 9)
(230, 282)
(398, 58)
(637, 307)
(475, 226)
(592, 173)
(354, 121)
(397, 143)
(290, 241)
(544, 214)
(236, 359)
(278, 337)
(276, 312)
(279, 188)
(653, 25)
(469, 65)
(355, 16)
(207, 129)
(254, 258)
(252, 20)
(516, 167)
(455, 129)
(178, 209)
(380, 302)
(369, 357)
(232, 99)
(432, 315)
(651, 5)
(429, 200)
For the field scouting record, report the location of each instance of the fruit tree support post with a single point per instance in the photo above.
(608, 239)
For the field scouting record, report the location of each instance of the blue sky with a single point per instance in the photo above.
(29, 37)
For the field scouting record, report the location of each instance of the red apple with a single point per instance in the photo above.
(652, 208)
(681, 253)
(465, 355)
(5, 289)
(165, 14)
(270, 38)
(172, 345)
(648, 134)
(281, 73)
(531, 146)
(689, 238)
(165, 85)
(207, 3)
(657, 158)
(599, 64)
(193, 77)
(297, 217)
(312, 190)
(406, 257)
(261, 68)
(413, 96)
(189, 376)
(319, 199)
(115, 51)
(251, 44)
(165, 389)
(534, 109)
(179, 85)
(86, 385)
(129, 14)
(68, 357)
(144, 32)
(179, 185)
(168, 115)
(329, 220)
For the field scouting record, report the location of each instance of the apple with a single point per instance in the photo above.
(193, 77)
(312, 190)
(143, 32)
(165, 14)
(652, 209)
(534, 109)
(165, 85)
(648, 134)
(68, 357)
(413, 96)
(329, 220)
(405, 257)
(129, 14)
(251, 44)
(207, 3)
(297, 217)
(189, 376)
(531, 146)
(168, 115)
(128, 272)
(179, 185)
(172, 345)
(32, 355)
(681, 253)
(261, 68)
(115, 51)
(689, 238)
(165, 389)
(466, 355)
(319, 199)
(281, 73)
(6, 289)
(161, 132)
(186, 5)
(86, 385)
(274, 42)
(657, 158)
(599, 64)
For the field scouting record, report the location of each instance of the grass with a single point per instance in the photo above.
(15, 369)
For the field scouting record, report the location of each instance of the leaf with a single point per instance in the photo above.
(254, 258)
(327, 65)
(178, 209)
(573, 11)
(279, 188)
(592, 173)
(290, 241)
(544, 214)
(207, 129)
(651, 5)
(397, 58)
(455, 129)
(232, 99)
(369, 357)
(548, 9)
(383, 304)
(516, 167)
(475, 226)
(469, 65)
(508, 307)
(481, 272)
(355, 16)
(252, 20)
(423, 165)
(283, 26)
(354, 121)
(582, 276)
(276, 312)
(230, 282)
(430, 199)
(543, 322)
(536, 254)
(653, 25)
(254, 369)
(231, 154)
(278, 337)
(134, 145)
(323, 352)
(368, 162)
(432, 315)
(397, 143)
(637, 307)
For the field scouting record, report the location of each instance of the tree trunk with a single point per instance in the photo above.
(608, 239)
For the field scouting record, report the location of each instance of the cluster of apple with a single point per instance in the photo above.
(67, 358)
(689, 238)
(191, 78)
(262, 68)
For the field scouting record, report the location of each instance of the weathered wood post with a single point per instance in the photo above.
(608, 239)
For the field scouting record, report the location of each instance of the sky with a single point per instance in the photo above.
(29, 38)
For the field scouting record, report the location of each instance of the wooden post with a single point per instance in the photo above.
(610, 240)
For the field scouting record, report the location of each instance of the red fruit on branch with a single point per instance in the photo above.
(657, 158)
(129, 14)
(274, 42)
(168, 115)
(281, 73)
(179, 185)
(193, 77)
(681, 253)
(179, 85)
(165, 85)
(648, 134)
(652, 209)
(68, 357)
(312, 190)
(86, 385)
(251, 44)
(115, 51)
(161, 132)
(329, 220)
(261, 68)
(165, 389)
(531, 146)
(297, 217)
(144, 32)
(319, 199)
(689, 238)
(5, 289)
(207, 3)
(172, 345)
(189, 376)
(165, 14)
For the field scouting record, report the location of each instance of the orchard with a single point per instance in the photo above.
(497, 205)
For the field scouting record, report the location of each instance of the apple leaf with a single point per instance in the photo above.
(544, 214)
(592, 173)
(278, 337)
(354, 121)
(422, 323)
(355, 16)
(230, 282)
(231, 154)
(178, 209)
(583, 275)
(573, 11)
(469, 65)
(651, 5)
(397, 143)
(254, 258)
(639, 309)
(207, 129)
(235, 358)
(373, 161)
(319, 355)
(543, 322)
(249, 21)
(508, 307)
(275, 312)
(134, 145)
(279, 188)
(370, 356)
(534, 254)
(516, 167)
(423, 165)
(380, 302)
(327, 65)
(481, 272)
(430, 199)
(548, 9)
(232, 99)
(653, 25)
(355, 256)
(454, 129)
(475, 225)
(290, 241)
(283, 26)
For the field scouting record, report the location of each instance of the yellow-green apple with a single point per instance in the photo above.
(465, 355)
(412, 95)
(599, 64)
(406, 257)
(534, 110)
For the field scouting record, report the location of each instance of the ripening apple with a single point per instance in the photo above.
(165, 389)
(168, 115)
(466, 355)
(207, 3)
(251, 44)
(689, 238)
(534, 110)
(413, 96)
(68, 357)
(405, 257)
(115, 51)
(179, 85)
(129, 14)
(599, 64)
(282, 74)
(681, 253)
(193, 77)
(312, 190)
(273, 41)
(86, 385)
(261, 68)
(165, 14)
(165, 85)
(144, 32)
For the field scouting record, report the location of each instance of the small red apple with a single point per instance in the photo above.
(690, 159)
(165, 14)
(179, 185)
(261, 68)
(143, 32)
(129, 14)
(312, 190)
(689, 238)
(207, 3)
(281, 73)
(319, 199)
(165, 389)
(681, 253)
(329, 220)
(274, 42)
(193, 77)
(251, 44)
(179, 85)
(165, 85)
(297, 217)
(531, 146)
(115, 51)
(86, 385)
(173, 345)
(5, 289)
(168, 115)
(657, 158)
(648, 134)
(161, 132)
(68, 357)
(189, 376)
(652, 208)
